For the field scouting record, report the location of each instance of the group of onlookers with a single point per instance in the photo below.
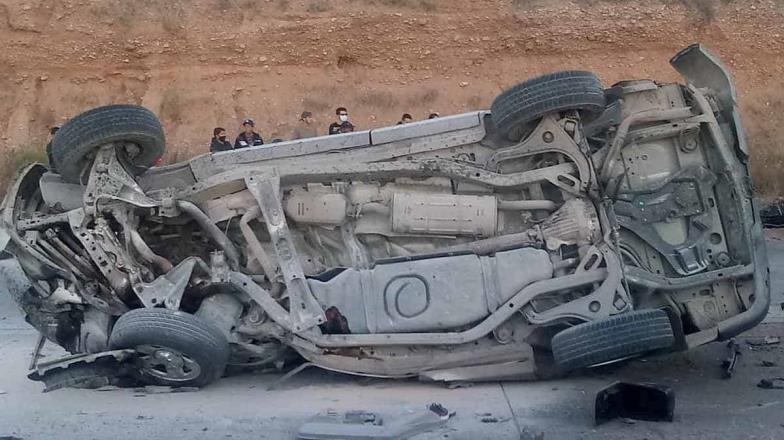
(249, 137)
(306, 128)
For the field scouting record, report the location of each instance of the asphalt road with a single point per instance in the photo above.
(707, 406)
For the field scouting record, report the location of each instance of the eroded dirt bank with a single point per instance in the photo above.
(202, 63)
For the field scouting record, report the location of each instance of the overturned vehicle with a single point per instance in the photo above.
(572, 225)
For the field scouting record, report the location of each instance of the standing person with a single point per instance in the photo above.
(306, 127)
(336, 127)
(219, 142)
(52, 132)
(346, 127)
(248, 137)
(405, 119)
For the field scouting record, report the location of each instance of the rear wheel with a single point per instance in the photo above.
(173, 348)
(516, 109)
(135, 132)
(614, 338)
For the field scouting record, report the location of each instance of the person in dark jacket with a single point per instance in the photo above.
(248, 138)
(52, 132)
(340, 125)
(219, 142)
(346, 127)
(306, 127)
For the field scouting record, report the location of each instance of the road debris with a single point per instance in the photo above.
(491, 418)
(641, 401)
(439, 410)
(761, 342)
(363, 425)
(159, 389)
(731, 362)
(456, 385)
(774, 383)
(88, 371)
(108, 388)
(772, 215)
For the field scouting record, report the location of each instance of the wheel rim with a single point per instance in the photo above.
(167, 364)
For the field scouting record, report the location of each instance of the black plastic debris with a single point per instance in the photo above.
(641, 401)
(488, 418)
(440, 411)
(774, 383)
(772, 214)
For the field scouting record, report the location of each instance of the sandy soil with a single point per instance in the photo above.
(202, 63)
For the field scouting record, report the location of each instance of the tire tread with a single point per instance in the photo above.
(559, 91)
(612, 338)
(178, 330)
(114, 123)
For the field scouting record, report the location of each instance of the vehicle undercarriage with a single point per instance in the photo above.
(571, 225)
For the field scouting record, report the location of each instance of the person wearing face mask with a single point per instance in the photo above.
(219, 142)
(306, 127)
(340, 125)
(248, 137)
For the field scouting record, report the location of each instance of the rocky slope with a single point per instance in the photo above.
(206, 63)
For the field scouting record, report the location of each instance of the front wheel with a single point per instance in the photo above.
(135, 131)
(173, 348)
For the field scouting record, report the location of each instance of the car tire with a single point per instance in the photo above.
(514, 110)
(162, 336)
(614, 338)
(76, 143)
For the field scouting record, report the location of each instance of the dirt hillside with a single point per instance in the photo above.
(204, 63)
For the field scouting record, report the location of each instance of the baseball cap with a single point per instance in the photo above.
(249, 122)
